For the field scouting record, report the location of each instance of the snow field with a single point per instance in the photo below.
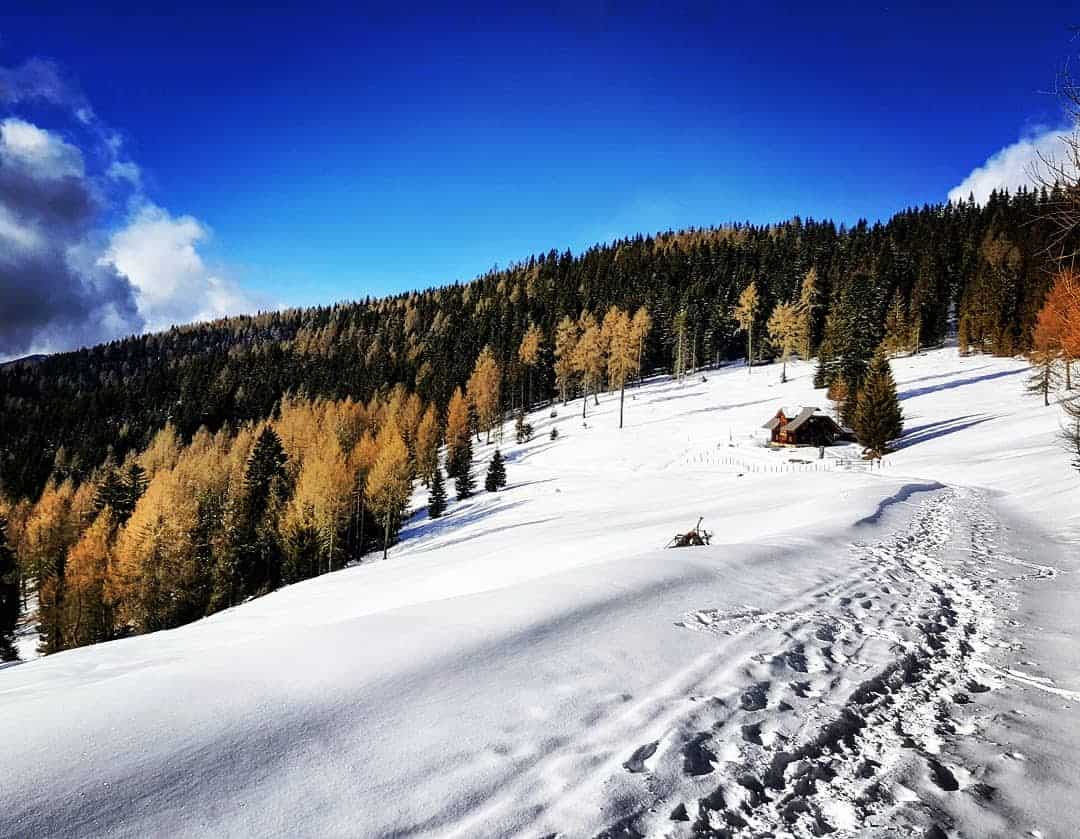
(840, 659)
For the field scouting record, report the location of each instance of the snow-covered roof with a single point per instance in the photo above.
(795, 417)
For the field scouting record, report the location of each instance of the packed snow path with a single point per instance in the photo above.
(889, 653)
(847, 701)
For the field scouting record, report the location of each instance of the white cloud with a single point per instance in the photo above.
(39, 151)
(125, 170)
(159, 254)
(70, 273)
(1012, 166)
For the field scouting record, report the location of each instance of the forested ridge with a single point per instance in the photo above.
(987, 266)
(156, 479)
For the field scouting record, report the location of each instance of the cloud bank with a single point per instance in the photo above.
(1013, 166)
(69, 277)
(54, 292)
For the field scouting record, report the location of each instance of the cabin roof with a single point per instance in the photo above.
(795, 416)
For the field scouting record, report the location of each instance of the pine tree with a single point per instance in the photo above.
(464, 484)
(496, 473)
(110, 493)
(878, 417)
(9, 595)
(437, 496)
(258, 555)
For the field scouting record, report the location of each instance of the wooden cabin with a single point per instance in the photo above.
(805, 427)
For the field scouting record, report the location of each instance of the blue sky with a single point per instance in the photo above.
(335, 153)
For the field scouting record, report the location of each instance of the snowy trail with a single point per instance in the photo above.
(841, 716)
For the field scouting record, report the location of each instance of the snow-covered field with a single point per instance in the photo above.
(884, 653)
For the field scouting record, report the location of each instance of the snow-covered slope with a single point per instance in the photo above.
(858, 651)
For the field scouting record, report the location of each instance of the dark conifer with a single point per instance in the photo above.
(110, 493)
(9, 596)
(496, 474)
(437, 496)
(878, 417)
(258, 555)
(464, 483)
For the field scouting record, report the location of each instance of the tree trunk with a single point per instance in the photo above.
(622, 399)
(783, 370)
(386, 533)
(1068, 374)
(584, 399)
(750, 349)
(360, 547)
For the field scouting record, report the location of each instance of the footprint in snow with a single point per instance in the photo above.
(636, 763)
(756, 697)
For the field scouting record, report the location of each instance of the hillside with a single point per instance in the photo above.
(988, 266)
(886, 648)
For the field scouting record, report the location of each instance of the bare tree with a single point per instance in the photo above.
(1059, 174)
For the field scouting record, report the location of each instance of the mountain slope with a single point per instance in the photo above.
(854, 649)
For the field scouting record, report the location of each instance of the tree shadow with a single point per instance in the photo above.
(423, 525)
(933, 430)
(936, 376)
(525, 452)
(971, 380)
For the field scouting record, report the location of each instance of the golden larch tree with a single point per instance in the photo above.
(457, 425)
(642, 326)
(390, 480)
(87, 616)
(746, 313)
(786, 332)
(529, 356)
(427, 444)
(622, 356)
(589, 357)
(483, 391)
(566, 338)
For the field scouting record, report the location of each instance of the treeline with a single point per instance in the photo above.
(982, 268)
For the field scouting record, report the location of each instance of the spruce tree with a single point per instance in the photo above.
(437, 496)
(110, 493)
(258, 554)
(464, 483)
(496, 474)
(878, 417)
(9, 596)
